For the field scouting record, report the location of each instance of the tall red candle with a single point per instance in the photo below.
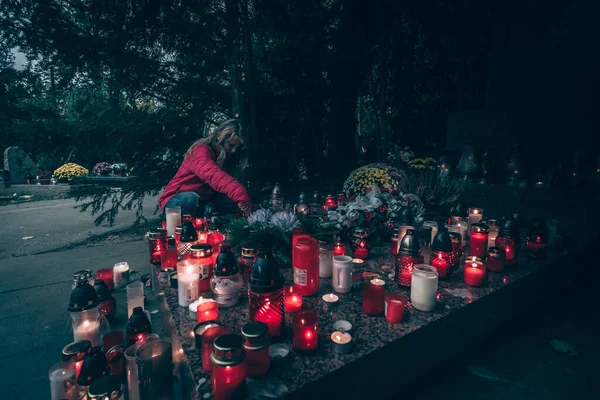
(106, 274)
(208, 339)
(229, 368)
(292, 300)
(478, 240)
(372, 299)
(306, 266)
(257, 348)
(207, 311)
(305, 331)
(394, 307)
(474, 272)
(339, 249)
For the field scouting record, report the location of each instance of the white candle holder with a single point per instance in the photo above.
(121, 272)
(135, 297)
(424, 286)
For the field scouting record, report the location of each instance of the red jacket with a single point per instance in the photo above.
(200, 173)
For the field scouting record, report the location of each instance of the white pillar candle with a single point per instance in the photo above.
(187, 288)
(434, 228)
(325, 261)
(133, 385)
(342, 274)
(135, 296)
(173, 216)
(62, 382)
(424, 286)
(121, 274)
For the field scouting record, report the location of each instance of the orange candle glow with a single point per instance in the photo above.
(292, 300)
(207, 311)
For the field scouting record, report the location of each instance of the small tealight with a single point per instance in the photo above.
(330, 298)
(193, 309)
(278, 350)
(357, 263)
(343, 326)
(342, 342)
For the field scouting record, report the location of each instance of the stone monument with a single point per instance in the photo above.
(18, 164)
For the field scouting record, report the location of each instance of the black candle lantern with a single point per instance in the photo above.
(508, 240)
(189, 237)
(301, 207)
(408, 256)
(138, 326)
(513, 167)
(106, 302)
(441, 253)
(94, 366)
(537, 239)
(157, 244)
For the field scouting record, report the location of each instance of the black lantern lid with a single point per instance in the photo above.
(496, 252)
(442, 242)
(406, 217)
(83, 297)
(480, 227)
(509, 228)
(77, 350)
(538, 227)
(157, 233)
(256, 334)
(302, 198)
(201, 250)
(138, 323)
(93, 367)
(106, 387)
(409, 246)
(102, 290)
(424, 233)
(228, 350)
(265, 274)
(188, 232)
(226, 263)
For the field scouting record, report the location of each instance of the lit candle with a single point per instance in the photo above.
(188, 280)
(357, 263)
(62, 382)
(207, 310)
(474, 272)
(305, 331)
(121, 274)
(330, 298)
(292, 300)
(442, 261)
(475, 215)
(372, 299)
(424, 286)
(478, 242)
(394, 307)
(198, 223)
(342, 342)
(339, 249)
(229, 367)
(88, 330)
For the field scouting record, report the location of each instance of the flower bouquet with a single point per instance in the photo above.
(70, 171)
(102, 169)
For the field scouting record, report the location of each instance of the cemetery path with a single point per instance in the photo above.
(38, 227)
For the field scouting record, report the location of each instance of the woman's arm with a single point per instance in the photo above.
(201, 163)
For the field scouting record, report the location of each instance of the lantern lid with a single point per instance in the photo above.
(83, 297)
(157, 233)
(77, 350)
(188, 232)
(480, 227)
(509, 228)
(496, 252)
(178, 229)
(93, 367)
(302, 198)
(409, 246)
(406, 217)
(138, 323)
(256, 334)
(265, 275)
(102, 290)
(424, 232)
(226, 263)
(200, 250)
(442, 242)
(228, 350)
(455, 237)
(538, 227)
(107, 387)
(361, 233)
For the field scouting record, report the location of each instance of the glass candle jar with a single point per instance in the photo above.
(373, 297)
(257, 348)
(106, 274)
(342, 274)
(247, 260)
(201, 255)
(121, 274)
(409, 255)
(84, 312)
(457, 251)
(297, 233)
(173, 217)
(537, 239)
(226, 283)
(339, 249)
(495, 260)
(292, 300)
(474, 271)
(507, 243)
(73, 353)
(394, 307)
(305, 331)
(424, 286)
(155, 369)
(135, 296)
(478, 241)
(168, 259)
(188, 281)
(207, 310)
(306, 266)
(325, 259)
(361, 243)
(208, 339)
(157, 244)
(229, 369)
(475, 215)
(442, 261)
(63, 384)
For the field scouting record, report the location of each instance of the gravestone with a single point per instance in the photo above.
(18, 164)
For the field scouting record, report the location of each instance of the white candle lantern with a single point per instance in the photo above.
(62, 381)
(424, 286)
(121, 274)
(135, 297)
(325, 259)
(173, 217)
(188, 282)
(475, 215)
(342, 274)
(85, 315)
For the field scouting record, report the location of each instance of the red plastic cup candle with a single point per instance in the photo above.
(394, 307)
(442, 261)
(157, 244)
(510, 249)
(207, 311)
(292, 300)
(474, 271)
(361, 250)
(208, 340)
(306, 266)
(339, 249)
(478, 240)
(373, 297)
(305, 331)
(495, 260)
(106, 274)
(229, 367)
(257, 348)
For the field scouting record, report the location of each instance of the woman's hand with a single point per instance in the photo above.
(246, 207)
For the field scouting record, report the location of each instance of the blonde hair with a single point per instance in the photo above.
(227, 130)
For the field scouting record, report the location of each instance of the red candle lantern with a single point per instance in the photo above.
(297, 233)
(199, 331)
(257, 348)
(495, 260)
(202, 236)
(474, 271)
(163, 224)
(106, 274)
(361, 243)
(265, 293)
(537, 239)
(330, 203)
(201, 255)
(214, 236)
(247, 260)
(457, 251)
(339, 249)
(157, 244)
(441, 253)
(208, 339)
(207, 311)
(373, 297)
(394, 307)
(478, 241)
(305, 331)
(198, 223)
(168, 259)
(188, 238)
(395, 244)
(408, 255)
(292, 300)
(507, 240)
(229, 368)
(306, 266)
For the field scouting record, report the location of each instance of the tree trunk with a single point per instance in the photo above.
(233, 36)
(251, 74)
(382, 83)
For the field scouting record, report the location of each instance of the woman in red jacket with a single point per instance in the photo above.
(201, 177)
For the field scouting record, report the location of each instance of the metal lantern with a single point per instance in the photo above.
(226, 283)
(228, 367)
(188, 238)
(84, 312)
(302, 206)
(467, 166)
(139, 325)
(441, 253)
(408, 256)
(265, 293)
